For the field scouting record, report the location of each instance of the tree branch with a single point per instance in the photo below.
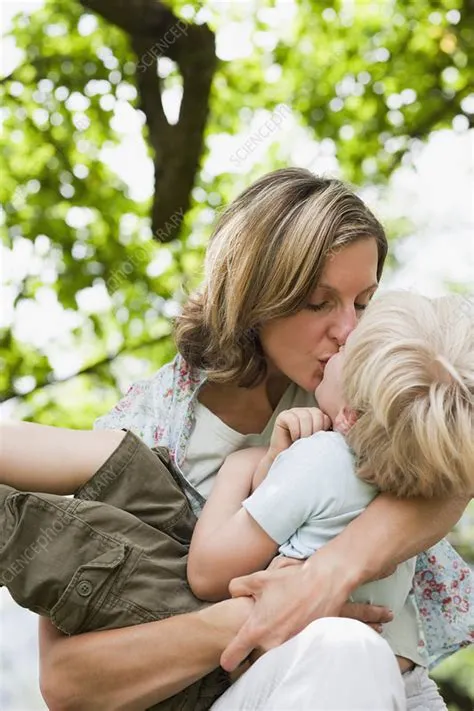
(144, 18)
(156, 31)
(424, 127)
(11, 394)
(8, 78)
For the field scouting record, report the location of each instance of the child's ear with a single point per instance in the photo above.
(345, 419)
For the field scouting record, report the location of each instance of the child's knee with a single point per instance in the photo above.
(343, 636)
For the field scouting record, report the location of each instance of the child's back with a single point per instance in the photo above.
(309, 496)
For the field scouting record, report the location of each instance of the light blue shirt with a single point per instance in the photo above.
(309, 496)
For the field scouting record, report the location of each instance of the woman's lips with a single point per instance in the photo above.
(324, 361)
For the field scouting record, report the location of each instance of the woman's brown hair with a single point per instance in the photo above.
(263, 261)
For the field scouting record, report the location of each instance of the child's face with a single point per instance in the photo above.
(329, 394)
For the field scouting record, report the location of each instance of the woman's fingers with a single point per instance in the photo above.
(282, 561)
(371, 614)
(245, 586)
(239, 649)
(251, 585)
(286, 600)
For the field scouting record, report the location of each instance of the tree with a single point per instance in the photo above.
(370, 80)
(344, 70)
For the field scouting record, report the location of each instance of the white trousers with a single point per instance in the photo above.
(335, 664)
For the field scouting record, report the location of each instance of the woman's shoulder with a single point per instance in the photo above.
(174, 378)
(185, 379)
(150, 405)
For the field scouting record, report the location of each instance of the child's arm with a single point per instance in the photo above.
(226, 540)
(50, 459)
(290, 426)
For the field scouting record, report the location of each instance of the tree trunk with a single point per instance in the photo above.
(156, 32)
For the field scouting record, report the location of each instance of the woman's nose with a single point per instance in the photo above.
(344, 323)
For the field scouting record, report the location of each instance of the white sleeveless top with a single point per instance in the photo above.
(212, 440)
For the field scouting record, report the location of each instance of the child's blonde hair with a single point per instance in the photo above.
(409, 374)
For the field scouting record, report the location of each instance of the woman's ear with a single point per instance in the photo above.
(344, 420)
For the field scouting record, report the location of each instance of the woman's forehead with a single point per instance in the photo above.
(352, 266)
(356, 280)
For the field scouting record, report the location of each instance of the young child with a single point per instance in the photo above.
(116, 553)
(400, 398)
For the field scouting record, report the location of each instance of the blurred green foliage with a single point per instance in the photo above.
(370, 80)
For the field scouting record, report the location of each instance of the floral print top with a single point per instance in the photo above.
(161, 412)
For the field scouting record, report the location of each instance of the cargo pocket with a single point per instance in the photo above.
(88, 589)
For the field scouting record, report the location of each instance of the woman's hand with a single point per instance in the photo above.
(291, 425)
(287, 598)
(370, 614)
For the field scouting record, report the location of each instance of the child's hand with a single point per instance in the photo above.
(294, 424)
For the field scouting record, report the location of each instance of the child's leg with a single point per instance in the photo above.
(139, 480)
(88, 564)
(106, 465)
(334, 664)
(52, 459)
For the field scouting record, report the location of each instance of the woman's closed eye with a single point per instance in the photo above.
(327, 304)
(319, 307)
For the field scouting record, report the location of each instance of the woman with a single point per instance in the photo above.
(292, 262)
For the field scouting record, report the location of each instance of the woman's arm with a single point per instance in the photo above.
(51, 459)
(388, 532)
(392, 530)
(133, 668)
(227, 541)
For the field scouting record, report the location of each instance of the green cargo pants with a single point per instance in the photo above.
(113, 556)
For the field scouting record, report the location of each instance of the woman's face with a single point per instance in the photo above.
(299, 346)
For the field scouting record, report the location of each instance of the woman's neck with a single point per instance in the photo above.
(275, 386)
(246, 410)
